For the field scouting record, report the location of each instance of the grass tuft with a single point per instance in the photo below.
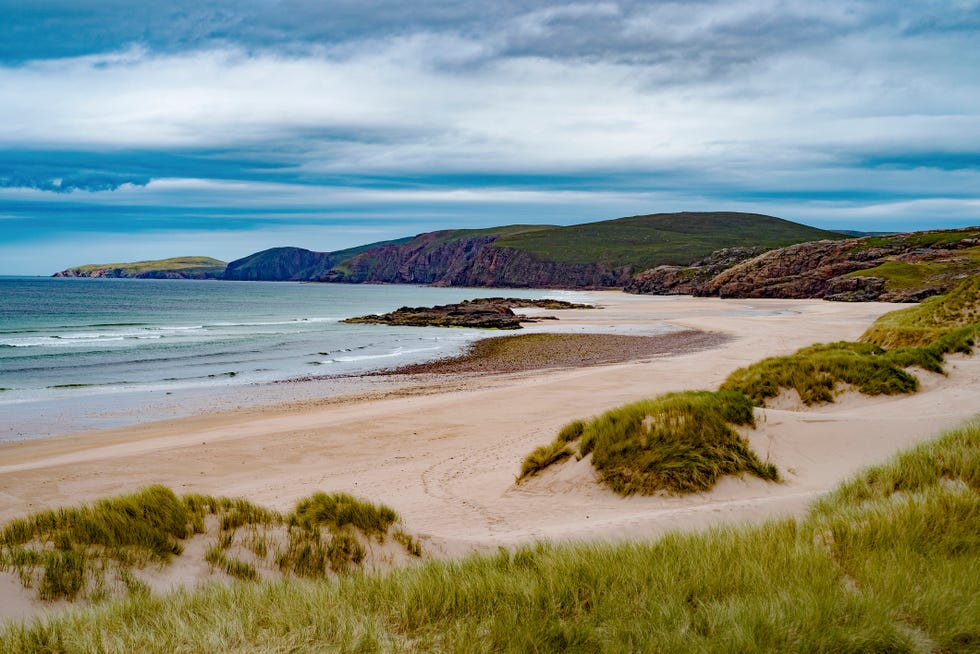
(58, 550)
(678, 443)
(338, 510)
(816, 372)
(544, 456)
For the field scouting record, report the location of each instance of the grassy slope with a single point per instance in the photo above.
(504, 231)
(819, 372)
(935, 317)
(647, 241)
(192, 265)
(887, 563)
(918, 336)
(904, 275)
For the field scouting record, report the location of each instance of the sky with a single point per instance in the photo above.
(135, 130)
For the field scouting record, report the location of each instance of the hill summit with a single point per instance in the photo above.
(594, 255)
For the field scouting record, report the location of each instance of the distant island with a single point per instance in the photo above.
(710, 254)
(176, 268)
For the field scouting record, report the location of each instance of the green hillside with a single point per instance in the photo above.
(191, 266)
(503, 231)
(664, 238)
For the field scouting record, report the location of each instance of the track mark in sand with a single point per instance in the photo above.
(439, 478)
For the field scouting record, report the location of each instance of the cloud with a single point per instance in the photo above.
(252, 114)
(73, 182)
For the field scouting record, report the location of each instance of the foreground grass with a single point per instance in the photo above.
(932, 319)
(887, 563)
(91, 551)
(678, 443)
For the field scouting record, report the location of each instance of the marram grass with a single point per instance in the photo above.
(62, 551)
(818, 372)
(935, 317)
(677, 443)
(91, 551)
(887, 563)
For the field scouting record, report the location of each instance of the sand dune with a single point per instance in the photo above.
(447, 460)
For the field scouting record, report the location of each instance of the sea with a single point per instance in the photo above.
(82, 354)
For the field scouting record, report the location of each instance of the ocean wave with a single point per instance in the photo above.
(74, 336)
(57, 341)
(397, 353)
(271, 323)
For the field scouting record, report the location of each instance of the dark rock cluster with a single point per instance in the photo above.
(486, 313)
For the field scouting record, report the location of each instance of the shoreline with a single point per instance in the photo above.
(444, 453)
(69, 374)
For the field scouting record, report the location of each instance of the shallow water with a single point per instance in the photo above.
(89, 353)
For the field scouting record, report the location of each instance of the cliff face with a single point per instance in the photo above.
(277, 265)
(425, 259)
(897, 268)
(474, 261)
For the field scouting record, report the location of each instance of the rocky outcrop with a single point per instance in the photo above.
(508, 267)
(687, 280)
(797, 271)
(448, 315)
(431, 258)
(486, 313)
(897, 268)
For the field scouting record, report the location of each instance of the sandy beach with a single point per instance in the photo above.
(445, 451)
